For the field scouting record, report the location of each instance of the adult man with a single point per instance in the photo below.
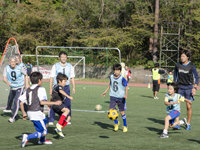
(184, 74)
(156, 79)
(29, 68)
(13, 76)
(67, 69)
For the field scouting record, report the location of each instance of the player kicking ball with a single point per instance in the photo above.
(59, 94)
(36, 98)
(172, 100)
(118, 94)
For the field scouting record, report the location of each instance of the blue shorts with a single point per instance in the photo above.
(115, 101)
(186, 93)
(40, 126)
(173, 114)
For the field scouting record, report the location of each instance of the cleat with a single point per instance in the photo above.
(116, 126)
(11, 120)
(6, 110)
(51, 123)
(69, 123)
(59, 127)
(59, 133)
(125, 129)
(188, 127)
(163, 135)
(156, 97)
(45, 142)
(177, 127)
(24, 140)
(185, 122)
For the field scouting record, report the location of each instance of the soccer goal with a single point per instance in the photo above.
(92, 71)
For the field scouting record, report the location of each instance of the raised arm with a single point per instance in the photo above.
(63, 93)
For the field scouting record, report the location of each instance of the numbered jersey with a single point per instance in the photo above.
(117, 86)
(15, 76)
(64, 70)
(175, 98)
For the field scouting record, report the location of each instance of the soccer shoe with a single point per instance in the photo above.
(185, 122)
(116, 126)
(45, 142)
(156, 98)
(59, 127)
(11, 120)
(163, 135)
(125, 129)
(7, 110)
(177, 127)
(59, 133)
(24, 140)
(188, 127)
(51, 123)
(69, 123)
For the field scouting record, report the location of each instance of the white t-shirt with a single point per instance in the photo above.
(53, 72)
(36, 115)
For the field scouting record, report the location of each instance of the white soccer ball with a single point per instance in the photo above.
(84, 88)
(98, 107)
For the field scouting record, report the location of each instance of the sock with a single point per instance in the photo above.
(42, 139)
(165, 131)
(62, 119)
(64, 124)
(124, 120)
(34, 135)
(116, 121)
(181, 122)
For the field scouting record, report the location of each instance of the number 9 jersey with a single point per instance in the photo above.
(117, 86)
(171, 99)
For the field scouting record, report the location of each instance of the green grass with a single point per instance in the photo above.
(94, 131)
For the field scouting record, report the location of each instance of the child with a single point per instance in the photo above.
(59, 94)
(172, 100)
(36, 98)
(118, 94)
(170, 78)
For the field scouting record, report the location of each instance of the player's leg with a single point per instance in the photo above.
(10, 100)
(112, 106)
(18, 92)
(68, 102)
(121, 109)
(51, 116)
(183, 121)
(189, 96)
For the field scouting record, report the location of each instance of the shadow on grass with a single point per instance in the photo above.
(10, 114)
(159, 131)
(104, 137)
(106, 101)
(151, 97)
(193, 140)
(104, 125)
(157, 121)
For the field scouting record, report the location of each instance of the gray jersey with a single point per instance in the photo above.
(33, 100)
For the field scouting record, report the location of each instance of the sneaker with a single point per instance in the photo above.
(59, 133)
(188, 127)
(177, 127)
(11, 120)
(125, 129)
(51, 123)
(116, 126)
(24, 140)
(163, 135)
(7, 110)
(45, 142)
(185, 122)
(156, 98)
(59, 127)
(69, 123)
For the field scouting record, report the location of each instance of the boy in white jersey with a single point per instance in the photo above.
(36, 98)
(172, 100)
(13, 76)
(118, 94)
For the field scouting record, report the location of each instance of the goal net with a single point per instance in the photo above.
(93, 66)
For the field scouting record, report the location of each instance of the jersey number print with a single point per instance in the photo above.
(115, 87)
(170, 106)
(13, 75)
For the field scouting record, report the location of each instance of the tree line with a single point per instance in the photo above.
(126, 24)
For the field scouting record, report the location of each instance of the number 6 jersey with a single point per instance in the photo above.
(117, 86)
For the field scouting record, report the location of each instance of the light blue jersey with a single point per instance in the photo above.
(64, 70)
(14, 76)
(117, 86)
(175, 98)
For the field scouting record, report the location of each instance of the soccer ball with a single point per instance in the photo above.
(113, 114)
(98, 107)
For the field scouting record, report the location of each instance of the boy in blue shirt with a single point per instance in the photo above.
(172, 100)
(118, 94)
(29, 68)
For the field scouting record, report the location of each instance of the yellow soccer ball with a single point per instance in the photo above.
(98, 107)
(113, 114)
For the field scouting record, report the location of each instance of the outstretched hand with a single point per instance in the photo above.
(24, 116)
(103, 94)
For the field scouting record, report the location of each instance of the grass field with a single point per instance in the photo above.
(94, 131)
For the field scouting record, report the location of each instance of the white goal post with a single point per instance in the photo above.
(82, 58)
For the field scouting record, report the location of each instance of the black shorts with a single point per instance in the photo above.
(119, 103)
(29, 74)
(156, 87)
(57, 109)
